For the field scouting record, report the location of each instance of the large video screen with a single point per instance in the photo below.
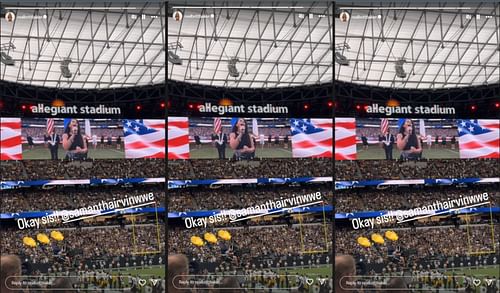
(80, 139)
(240, 138)
(416, 139)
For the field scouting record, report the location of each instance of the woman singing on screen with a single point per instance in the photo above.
(408, 142)
(74, 143)
(241, 141)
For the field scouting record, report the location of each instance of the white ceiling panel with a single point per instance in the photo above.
(275, 47)
(443, 46)
(107, 45)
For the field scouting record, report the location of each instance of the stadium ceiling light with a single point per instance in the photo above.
(65, 68)
(174, 58)
(339, 57)
(4, 57)
(233, 71)
(400, 71)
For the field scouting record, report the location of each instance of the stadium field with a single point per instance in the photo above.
(376, 152)
(43, 153)
(208, 151)
(160, 271)
(147, 271)
(477, 272)
(315, 271)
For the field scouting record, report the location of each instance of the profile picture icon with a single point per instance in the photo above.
(344, 16)
(10, 16)
(177, 15)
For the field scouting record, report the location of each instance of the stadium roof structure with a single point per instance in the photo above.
(102, 45)
(270, 47)
(437, 45)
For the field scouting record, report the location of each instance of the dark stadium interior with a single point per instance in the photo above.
(151, 98)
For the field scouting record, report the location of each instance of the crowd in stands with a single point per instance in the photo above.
(265, 168)
(181, 200)
(32, 199)
(80, 245)
(434, 168)
(406, 198)
(374, 132)
(259, 168)
(38, 133)
(344, 170)
(253, 243)
(207, 132)
(88, 169)
(12, 170)
(414, 245)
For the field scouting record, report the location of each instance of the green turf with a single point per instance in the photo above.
(481, 272)
(150, 271)
(436, 152)
(315, 271)
(43, 153)
(208, 151)
(160, 271)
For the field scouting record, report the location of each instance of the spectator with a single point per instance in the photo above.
(10, 271)
(345, 272)
(178, 269)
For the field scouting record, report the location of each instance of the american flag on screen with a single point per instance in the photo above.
(50, 125)
(178, 138)
(144, 138)
(345, 139)
(10, 139)
(311, 138)
(217, 125)
(384, 125)
(479, 138)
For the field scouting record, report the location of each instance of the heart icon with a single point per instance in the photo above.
(476, 282)
(309, 281)
(142, 282)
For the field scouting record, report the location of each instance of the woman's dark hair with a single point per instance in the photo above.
(402, 128)
(235, 127)
(67, 129)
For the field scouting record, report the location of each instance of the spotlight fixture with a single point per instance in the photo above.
(233, 71)
(339, 57)
(4, 57)
(174, 58)
(400, 71)
(65, 68)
